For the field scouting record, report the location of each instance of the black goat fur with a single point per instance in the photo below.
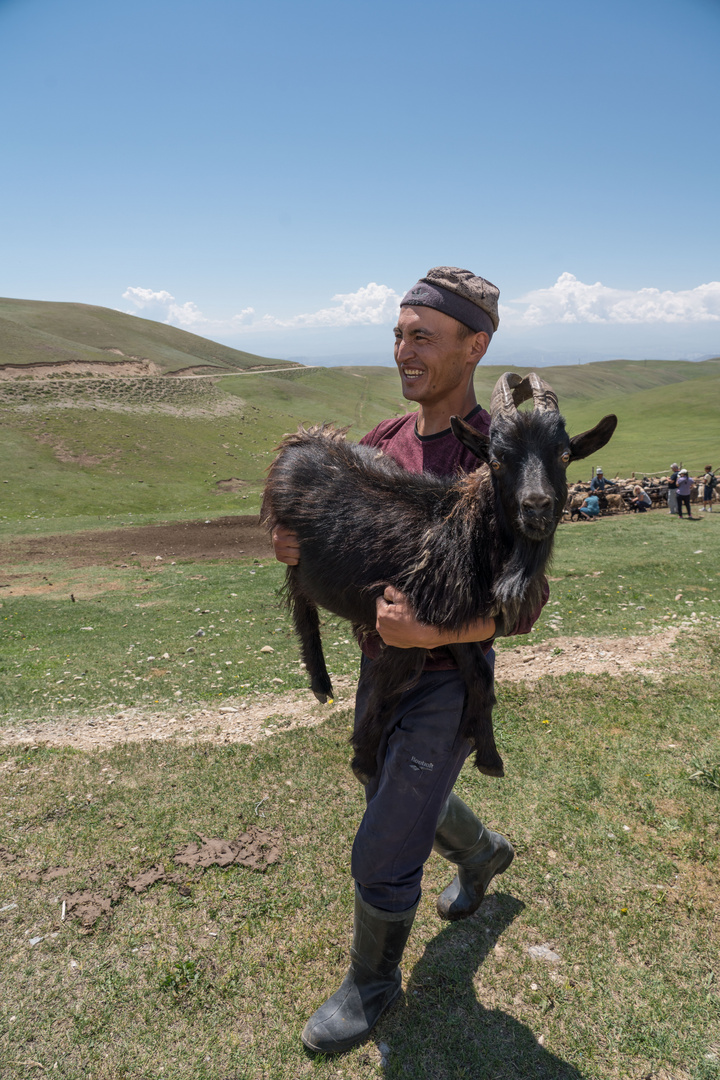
(459, 548)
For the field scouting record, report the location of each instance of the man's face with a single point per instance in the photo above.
(432, 360)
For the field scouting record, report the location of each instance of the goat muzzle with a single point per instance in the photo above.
(537, 515)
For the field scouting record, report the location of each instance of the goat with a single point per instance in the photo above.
(458, 547)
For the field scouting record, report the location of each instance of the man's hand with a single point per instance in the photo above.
(396, 624)
(286, 545)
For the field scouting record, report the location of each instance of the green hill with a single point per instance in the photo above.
(667, 411)
(87, 452)
(35, 332)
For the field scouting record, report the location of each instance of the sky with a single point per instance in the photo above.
(276, 175)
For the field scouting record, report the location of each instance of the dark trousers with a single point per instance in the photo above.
(418, 764)
(684, 500)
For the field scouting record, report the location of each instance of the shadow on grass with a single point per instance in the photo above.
(441, 1030)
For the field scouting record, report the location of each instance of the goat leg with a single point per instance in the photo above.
(394, 672)
(479, 702)
(307, 625)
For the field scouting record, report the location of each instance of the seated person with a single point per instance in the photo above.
(589, 509)
(640, 501)
(598, 481)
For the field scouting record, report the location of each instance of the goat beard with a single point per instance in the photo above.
(518, 589)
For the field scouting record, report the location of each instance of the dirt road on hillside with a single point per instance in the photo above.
(223, 538)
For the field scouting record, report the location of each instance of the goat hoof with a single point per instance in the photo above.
(492, 770)
(490, 765)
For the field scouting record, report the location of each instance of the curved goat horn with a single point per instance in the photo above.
(504, 399)
(511, 390)
(543, 395)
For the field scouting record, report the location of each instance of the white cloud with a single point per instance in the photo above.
(371, 305)
(163, 307)
(146, 297)
(572, 301)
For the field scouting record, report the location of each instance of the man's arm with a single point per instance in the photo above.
(396, 624)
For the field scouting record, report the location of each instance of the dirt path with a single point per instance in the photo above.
(222, 538)
(261, 716)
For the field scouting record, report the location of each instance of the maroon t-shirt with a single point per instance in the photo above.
(443, 455)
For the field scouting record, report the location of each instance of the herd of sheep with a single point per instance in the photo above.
(619, 492)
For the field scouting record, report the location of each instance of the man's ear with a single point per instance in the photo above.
(477, 444)
(479, 346)
(582, 446)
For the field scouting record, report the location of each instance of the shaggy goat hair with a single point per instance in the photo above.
(459, 548)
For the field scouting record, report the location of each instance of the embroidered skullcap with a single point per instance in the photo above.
(460, 294)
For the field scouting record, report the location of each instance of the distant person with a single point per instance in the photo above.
(708, 481)
(598, 481)
(590, 508)
(684, 487)
(672, 488)
(641, 501)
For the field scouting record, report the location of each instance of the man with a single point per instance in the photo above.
(708, 482)
(445, 325)
(672, 488)
(598, 481)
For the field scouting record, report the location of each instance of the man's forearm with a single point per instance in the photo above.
(397, 626)
(480, 630)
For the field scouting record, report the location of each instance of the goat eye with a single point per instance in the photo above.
(495, 464)
(565, 457)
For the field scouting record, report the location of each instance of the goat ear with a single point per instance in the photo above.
(473, 440)
(581, 446)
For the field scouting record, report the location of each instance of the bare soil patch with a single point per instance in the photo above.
(250, 720)
(114, 369)
(222, 538)
(233, 485)
(586, 656)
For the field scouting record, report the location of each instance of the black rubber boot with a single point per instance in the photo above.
(480, 854)
(372, 983)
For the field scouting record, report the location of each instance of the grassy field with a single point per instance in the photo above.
(212, 973)
(611, 798)
(84, 453)
(125, 638)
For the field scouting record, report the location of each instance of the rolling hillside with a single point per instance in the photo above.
(34, 332)
(90, 452)
(667, 411)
